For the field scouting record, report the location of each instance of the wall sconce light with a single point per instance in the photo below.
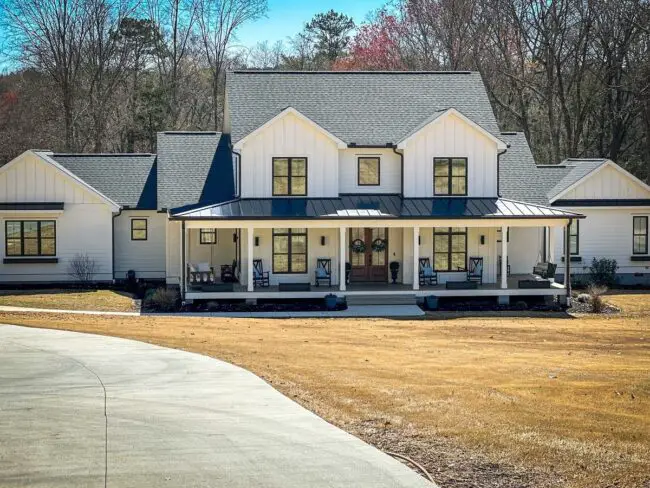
(482, 240)
(234, 237)
(322, 240)
(419, 241)
(257, 241)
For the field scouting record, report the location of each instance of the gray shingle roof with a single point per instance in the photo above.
(366, 108)
(577, 169)
(372, 206)
(193, 168)
(127, 179)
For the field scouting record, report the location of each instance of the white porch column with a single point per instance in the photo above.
(249, 258)
(504, 257)
(342, 248)
(181, 272)
(416, 258)
(551, 244)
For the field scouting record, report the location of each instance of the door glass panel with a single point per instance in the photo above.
(357, 258)
(378, 257)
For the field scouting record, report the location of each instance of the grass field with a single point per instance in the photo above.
(102, 300)
(499, 402)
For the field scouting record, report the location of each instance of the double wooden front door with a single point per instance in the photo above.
(372, 263)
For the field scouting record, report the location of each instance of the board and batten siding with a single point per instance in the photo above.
(450, 136)
(390, 171)
(146, 258)
(525, 249)
(173, 245)
(289, 136)
(607, 183)
(223, 252)
(83, 227)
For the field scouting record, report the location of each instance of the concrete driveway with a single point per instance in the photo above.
(80, 410)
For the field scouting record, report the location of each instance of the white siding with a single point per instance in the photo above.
(84, 226)
(173, 266)
(289, 136)
(525, 249)
(146, 258)
(605, 233)
(450, 137)
(390, 171)
(608, 183)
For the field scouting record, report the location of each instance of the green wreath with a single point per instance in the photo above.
(379, 245)
(358, 246)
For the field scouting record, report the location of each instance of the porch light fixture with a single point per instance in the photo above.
(322, 240)
(257, 241)
(234, 237)
(482, 240)
(419, 241)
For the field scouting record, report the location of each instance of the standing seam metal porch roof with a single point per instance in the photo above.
(370, 207)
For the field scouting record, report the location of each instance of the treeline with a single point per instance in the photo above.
(574, 75)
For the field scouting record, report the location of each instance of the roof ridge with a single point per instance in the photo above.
(190, 132)
(294, 72)
(95, 155)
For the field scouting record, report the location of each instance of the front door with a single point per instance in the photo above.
(369, 254)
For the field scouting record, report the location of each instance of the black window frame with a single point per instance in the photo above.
(39, 239)
(376, 158)
(577, 235)
(438, 231)
(634, 234)
(146, 229)
(289, 177)
(450, 177)
(208, 232)
(289, 252)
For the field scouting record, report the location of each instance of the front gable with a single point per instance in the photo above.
(607, 182)
(33, 177)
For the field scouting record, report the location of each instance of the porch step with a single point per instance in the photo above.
(371, 299)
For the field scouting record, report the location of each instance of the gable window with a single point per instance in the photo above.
(289, 250)
(450, 176)
(450, 249)
(138, 229)
(640, 235)
(574, 238)
(289, 176)
(208, 236)
(368, 171)
(30, 238)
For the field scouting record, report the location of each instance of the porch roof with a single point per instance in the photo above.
(370, 207)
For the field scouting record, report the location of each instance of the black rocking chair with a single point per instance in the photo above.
(229, 272)
(260, 277)
(428, 275)
(475, 270)
(323, 271)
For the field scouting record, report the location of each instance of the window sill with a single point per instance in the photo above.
(574, 259)
(25, 260)
(640, 257)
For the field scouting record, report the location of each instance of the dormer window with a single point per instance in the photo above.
(289, 176)
(450, 176)
(368, 171)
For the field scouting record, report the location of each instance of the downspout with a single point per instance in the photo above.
(401, 157)
(113, 246)
(238, 183)
(499, 172)
(567, 261)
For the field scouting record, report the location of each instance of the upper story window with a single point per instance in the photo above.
(368, 171)
(30, 238)
(450, 176)
(574, 237)
(289, 176)
(138, 229)
(640, 235)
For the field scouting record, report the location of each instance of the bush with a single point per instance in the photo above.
(82, 268)
(596, 293)
(163, 300)
(602, 272)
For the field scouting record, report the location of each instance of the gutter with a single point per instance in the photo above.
(238, 189)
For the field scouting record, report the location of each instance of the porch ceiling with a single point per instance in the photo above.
(372, 207)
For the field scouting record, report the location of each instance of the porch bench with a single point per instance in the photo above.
(545, 270)
(534, 284)
(294, 287)
(461, 285)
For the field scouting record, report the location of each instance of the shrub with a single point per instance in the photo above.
(602, 272)
(162, 299)
(82, 268)
(596, 293)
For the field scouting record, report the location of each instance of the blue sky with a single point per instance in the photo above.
(286, 18)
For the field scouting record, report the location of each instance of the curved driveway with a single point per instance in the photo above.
(80, 410)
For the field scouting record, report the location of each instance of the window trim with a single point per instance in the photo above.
(22, 239)
(289, 253)
(146, 229)
(210, 231)
(450, 177)
(289, 189)
(449, 252)
(634, 234)
(376, 158)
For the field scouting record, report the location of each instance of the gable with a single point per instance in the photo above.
(609, 182)
(31, 178)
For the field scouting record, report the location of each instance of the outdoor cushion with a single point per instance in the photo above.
(427, 271)
(478, 269)
(256, 273)
(192, 267)
(203, 267)
(321, 272)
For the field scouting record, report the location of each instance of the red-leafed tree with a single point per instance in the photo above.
(375, 47)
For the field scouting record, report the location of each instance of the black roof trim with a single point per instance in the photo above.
(631, 202)
(31, 205)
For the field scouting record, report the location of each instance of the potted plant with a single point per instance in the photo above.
(394, 269)
(330, 301)
(348, 269)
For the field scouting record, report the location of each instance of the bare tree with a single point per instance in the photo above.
(219, 21)
(265, 56)
(83, 268)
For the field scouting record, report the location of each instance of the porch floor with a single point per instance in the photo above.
(377, 288)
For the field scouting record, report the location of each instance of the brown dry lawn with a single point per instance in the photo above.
(102, 300)
(527, 401)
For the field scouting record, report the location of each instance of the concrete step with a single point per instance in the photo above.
(375, 299)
